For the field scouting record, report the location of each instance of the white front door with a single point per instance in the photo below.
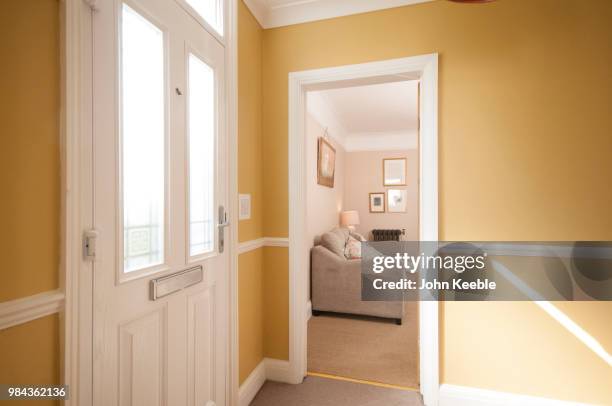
(160, 188)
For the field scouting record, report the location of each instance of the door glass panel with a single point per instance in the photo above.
(201, 156)
(142, 141)
(211, 11)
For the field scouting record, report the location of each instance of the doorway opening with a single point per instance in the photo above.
(420, 71)
(362, 185)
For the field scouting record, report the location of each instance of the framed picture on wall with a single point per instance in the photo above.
(326, 163)
(377, 202)
(394, 172)
(396, 200)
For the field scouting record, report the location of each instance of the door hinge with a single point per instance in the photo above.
(89, 244)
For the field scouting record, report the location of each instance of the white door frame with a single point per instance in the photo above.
(425, 68)
(77, 203)
(77, 200)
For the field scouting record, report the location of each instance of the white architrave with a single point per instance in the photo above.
(425, 69)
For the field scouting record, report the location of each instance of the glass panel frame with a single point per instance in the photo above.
(212, 204)
(216, 28)
(123, 269)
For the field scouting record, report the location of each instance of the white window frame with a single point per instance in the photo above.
(221, 37)
(122, 276)
(190, 259)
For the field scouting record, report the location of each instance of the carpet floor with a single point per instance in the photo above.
(367, 349)
(316, 391)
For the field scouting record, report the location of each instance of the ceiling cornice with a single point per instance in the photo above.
(385, 141)
(323, 113)
(258, 9)
(302, 11)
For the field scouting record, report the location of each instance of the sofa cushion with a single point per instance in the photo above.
(334, 241)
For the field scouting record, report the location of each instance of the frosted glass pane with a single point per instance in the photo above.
(211, 11)
(143, 138)
(201, 156)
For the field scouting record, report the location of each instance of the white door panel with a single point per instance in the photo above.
(200, 348)
(141, 360)
(171, 351)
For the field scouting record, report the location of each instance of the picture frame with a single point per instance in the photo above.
(394, 171)
(397, 200)
(326, 163)
(377, 202)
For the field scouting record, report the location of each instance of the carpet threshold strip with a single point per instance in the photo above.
(379, 384)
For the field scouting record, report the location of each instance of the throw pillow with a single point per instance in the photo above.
(352, 249)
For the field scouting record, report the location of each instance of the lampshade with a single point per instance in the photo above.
(349, 218)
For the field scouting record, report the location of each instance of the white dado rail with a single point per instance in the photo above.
(262, 242)
(29, 308)
(25, 309)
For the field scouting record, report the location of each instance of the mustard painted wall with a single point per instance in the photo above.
(276, 303)
(250, 143)
(250, 180)
(29, 355)
(30, 183)
(29, 147)
(525, 140)
(250, 310)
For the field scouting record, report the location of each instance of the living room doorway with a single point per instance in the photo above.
(421, 72)
(362, 184)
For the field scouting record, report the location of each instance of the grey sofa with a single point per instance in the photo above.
(336, 281)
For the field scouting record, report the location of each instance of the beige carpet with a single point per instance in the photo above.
(368, 349)
(315, 391)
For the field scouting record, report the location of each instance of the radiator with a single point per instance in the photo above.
(386, 235)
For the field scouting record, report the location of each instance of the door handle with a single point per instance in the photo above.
(223, 222)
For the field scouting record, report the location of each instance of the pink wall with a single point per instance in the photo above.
(323, 203)
(357, 174)
(363, 175)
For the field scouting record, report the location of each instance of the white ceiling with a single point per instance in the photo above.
(278, 13)
(373, 117)
(387, 107)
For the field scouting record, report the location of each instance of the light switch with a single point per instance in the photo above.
(244, 206)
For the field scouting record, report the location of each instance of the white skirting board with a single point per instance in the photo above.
(277, 370)
(454, 395)
(268, 369)
(252, 384)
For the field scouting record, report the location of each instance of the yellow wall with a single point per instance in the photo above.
(524, 100)
(518, 348)
(29, 354)
(29, 147)
(276, 303)
(30, 184)
(250, 143)
(250, 180)
(522, 84)
(250, 310)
